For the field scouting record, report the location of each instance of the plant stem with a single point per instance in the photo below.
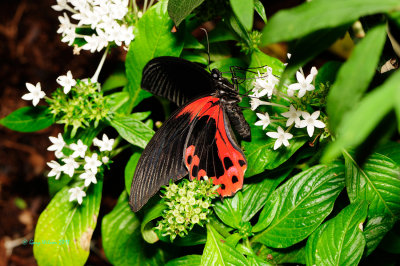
(96, 74)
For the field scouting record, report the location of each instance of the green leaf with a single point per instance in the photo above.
(147, 226)
(130, 170)
(115, 80)
(342, 241)
(280, 256)
(150, 42)
(217, 252)
(230, 210)
(132, 130)
(259, 59)
(355, 75)
(188, 260)
(244, 11)
(327, 74)
(317, 15)
(378, 183)
(310, 46)
(390, 149)
(178, 10)
(117, 102)
(28, 119)
(67, 221)
(391, 242)
(122, 241)
(258, 6)
(308, 196)
(255, 195)
(140, 115)
(311, 245)
(363, 118)
(194, 57)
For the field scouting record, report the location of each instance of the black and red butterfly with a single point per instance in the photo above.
(197, 139)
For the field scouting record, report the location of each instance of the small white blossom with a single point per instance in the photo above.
(105, 144)
(92, 163)
(59, 154)
(79, 149)
(55, 169)
(314, 71)
(264, 120)
(105, 159)
(303, 85)
(310, 121)
(255, 102)
(61, 4)
(281, 137)
(293, 116)
(35, 93)
(67, 81)
(77, 194)
(69, 36)
(89, 177)
(58, 143)
(69, 166)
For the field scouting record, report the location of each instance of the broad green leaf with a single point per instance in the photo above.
(355, 75)
(259, 59)
(115, 80)
(362, 119)
(378, 183)
(230, 210)
(132, 130)
(391, 242)
(342, 241)
(244, 11)
(327, 74)
(237, 27)
(267, 214)
(117, 102)
(217, 252)
(188, 260)
(311, 245)
(197, 236)
(140, 115)
(63, 220)
(178, 10)
(194, 57)
(287, 25)
(221, 33)
(150, 41)
(390, 149)
(130, 170)
(257, 261)
(225, 64)
(28, 119)
(255, 195)
(147, 226)
(191, 42)
(258, 6)
(307, 197)
(310, 46)
(279, 256)
(122, 241)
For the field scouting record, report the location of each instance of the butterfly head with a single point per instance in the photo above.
(224, 87)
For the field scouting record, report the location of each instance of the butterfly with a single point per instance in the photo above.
(197, 139)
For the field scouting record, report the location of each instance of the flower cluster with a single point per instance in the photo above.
(294, 114)
(77, 158)
(97, 22)
(188, 204)
(78, 104)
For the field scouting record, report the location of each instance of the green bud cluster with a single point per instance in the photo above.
(188, 204)
(82, 107)
(248, 47)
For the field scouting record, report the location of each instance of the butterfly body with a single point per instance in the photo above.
(197, 139)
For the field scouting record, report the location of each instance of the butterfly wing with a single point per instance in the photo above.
(176, 79)
(211, 149)
(194, 140)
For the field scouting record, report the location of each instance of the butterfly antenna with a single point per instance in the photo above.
(208, 48)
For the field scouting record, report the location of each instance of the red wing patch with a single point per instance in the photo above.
(210, 149)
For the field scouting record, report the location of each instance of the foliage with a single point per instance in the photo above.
(325, 194)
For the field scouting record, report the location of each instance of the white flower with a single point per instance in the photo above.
(264, 120)
(67, 81)
(105, 144)
(69, 35)
(255, 102)
(35, 93)
(314, 71)
(79, 149)
(58, 143)
(55, 169)
(77, 194)
(303, 85)
(293, 116)
(92, 163)
(61, 4)
(65, 24)
(96, 42)
(69, 166)
(59, 154)
(89, 177)
(281, 137)
(310, 121)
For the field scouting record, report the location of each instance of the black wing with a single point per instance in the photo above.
(176, 79)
